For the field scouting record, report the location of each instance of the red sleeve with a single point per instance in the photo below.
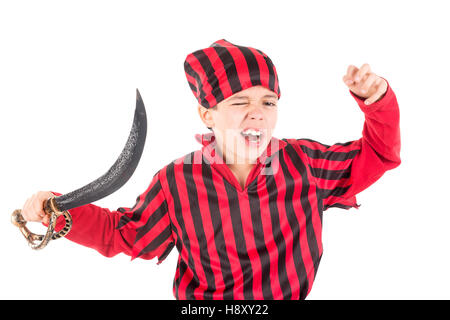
(343, 170)
(142, 231)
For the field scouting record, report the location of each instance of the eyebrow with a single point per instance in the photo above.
(246, 97)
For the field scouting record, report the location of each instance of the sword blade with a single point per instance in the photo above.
(120, 172)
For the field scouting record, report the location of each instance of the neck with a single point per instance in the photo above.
(241, 172)
(239, 167)
(234, 161)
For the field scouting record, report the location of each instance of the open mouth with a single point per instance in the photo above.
(252, 136)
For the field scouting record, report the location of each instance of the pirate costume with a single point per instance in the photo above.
(263, 241)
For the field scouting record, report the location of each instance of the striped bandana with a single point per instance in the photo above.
(223, 69)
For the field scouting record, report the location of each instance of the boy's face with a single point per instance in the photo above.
(243, 123)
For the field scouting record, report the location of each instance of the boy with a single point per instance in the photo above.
(245, 211)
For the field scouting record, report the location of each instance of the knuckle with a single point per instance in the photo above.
(369, 82)
(380, 82)
(351, 69)
(365, 68)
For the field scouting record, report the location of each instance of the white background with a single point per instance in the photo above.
(68, 74)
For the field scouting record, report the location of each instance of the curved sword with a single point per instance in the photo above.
(120, 171)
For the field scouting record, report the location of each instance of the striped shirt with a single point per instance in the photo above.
(263, 241)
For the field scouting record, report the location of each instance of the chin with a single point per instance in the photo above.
(245, 150)
(251, 151)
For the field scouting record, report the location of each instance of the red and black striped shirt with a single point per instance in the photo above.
(263, 241)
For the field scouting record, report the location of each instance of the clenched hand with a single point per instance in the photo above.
(365, 84)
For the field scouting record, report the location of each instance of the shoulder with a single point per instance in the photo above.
(307, 142)
(303, 146)
(310, 149)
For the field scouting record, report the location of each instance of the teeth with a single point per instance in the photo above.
(252, 132)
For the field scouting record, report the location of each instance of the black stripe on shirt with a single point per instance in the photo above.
(329, 155)
(155, 216)
(330, 174)
(182, 267)
(311, 235)
(198, 225)
(295, 227)
(219, 238)
(172, 181)
(278, 237)
(158, 241)
(260, 243)
(241, 247)
(337, 192)
(136, 216)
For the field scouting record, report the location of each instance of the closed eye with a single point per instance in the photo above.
(267, 103)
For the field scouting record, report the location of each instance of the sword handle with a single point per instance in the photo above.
(51, 209)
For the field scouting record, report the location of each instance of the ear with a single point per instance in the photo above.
(206, 116)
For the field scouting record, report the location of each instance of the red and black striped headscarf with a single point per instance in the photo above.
(223, 69)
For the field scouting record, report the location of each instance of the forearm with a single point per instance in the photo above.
(382, 128)
(380, 144)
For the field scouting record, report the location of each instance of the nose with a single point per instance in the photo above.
(255, 112)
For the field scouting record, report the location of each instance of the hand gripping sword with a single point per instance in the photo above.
(108, 183)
